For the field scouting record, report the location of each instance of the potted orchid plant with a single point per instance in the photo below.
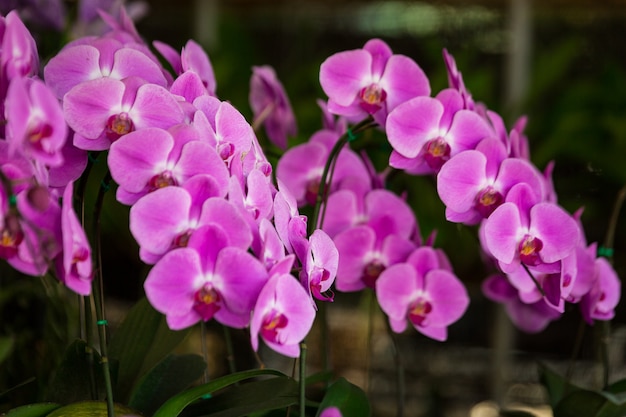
(262, 238)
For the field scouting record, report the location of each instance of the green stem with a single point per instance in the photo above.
(530, 274)
(302, 382)
(98, 295)
(608, 247)
(205, 353)
(86, 304)
(400, 382)
(322, 194)
(371, 306)
(324, 339)
(230, 351)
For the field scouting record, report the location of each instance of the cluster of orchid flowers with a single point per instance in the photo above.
(223, 230)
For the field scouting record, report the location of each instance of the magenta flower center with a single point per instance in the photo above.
(371, 272)
(372, 97)
(80, 255)
(181, 240)
(38, 133)
(9, 241)
(118, 125)
(206, 302)
(161, 180)
(272, 323)
(529, 249)
(418, 310)
(225, 150)
(436, 153)
(312, 190)
(488, 200)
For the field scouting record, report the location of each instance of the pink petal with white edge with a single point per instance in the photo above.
(394, 288)
(172, 283)
(460, 179)
(403, 80)
(412, 124)
(466, 131)
(448, 297)
(155, 106)
(556, 228)
(157, 218)
(502, 232)
(343, 74)
(89, 105)
(136, 157)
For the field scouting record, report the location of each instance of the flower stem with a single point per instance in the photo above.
(530, 274)
(98, 295)
(400, 382)
(230, 351)
(302, 382)
(608, 247)
(326, 179)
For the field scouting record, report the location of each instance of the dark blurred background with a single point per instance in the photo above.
(562, 63)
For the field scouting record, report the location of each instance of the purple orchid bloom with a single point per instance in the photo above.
(600, 302)
(48, 14)
(455, 80)
(475, 182)
(525, 230)
(270, 106)
(102, 57)
(365, 251)
(35, 124)
(426, 132)
(301, 167)
(370, 81)
(346, 208)
(166, 218)
(331, 412)
(224, 127)
(271, 250)
(103, 110)
(153, 158)
(320, 266)
(530, 318)
(207, 279)
(74, 266)
(255, 203)
(74, 164)
(283, 315)
(32, 238)
(192, 58)
(424, 292)
(19, 56)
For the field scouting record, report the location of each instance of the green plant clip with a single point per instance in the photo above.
(605, 252)
(351, 136)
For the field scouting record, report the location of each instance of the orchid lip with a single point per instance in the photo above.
(207, 302)
(372, 97)
(529, 249)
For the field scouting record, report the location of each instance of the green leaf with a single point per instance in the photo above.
(33, 410)
(255, 396)
(142, 340)
(590, 404)
(6, 347)
(348, 398)
(176, 404)
(79, 371)
(556, 385)
(617, 387)
(171, 376)
(90, 409)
